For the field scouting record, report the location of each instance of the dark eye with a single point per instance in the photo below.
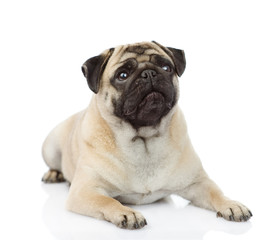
(123, 76)
(166, 68)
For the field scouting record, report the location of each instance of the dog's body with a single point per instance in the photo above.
(131, 144)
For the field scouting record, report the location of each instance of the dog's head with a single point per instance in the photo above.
(137, 82)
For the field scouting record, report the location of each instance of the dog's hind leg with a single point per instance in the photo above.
(52, 155)
(53, 176)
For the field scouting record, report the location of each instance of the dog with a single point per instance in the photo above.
(130, 145)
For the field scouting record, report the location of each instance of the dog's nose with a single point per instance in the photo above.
(148, 74)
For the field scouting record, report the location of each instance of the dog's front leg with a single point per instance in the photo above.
(92, 201)
(203, 192)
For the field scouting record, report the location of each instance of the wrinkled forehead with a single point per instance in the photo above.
(141, 52)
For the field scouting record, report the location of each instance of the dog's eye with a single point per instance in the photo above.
(166, 68)
(123, 76)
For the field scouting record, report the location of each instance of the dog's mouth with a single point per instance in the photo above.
(150, 109)
(152, 100)
(148, 103)
(151, 104)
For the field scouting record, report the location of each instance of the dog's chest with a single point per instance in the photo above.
(148, 163)
(147, 154)
(142, 198)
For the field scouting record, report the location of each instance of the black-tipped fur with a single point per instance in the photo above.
(93, 69)
(178, 57)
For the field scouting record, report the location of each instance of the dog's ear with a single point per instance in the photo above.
(94, 67)
(177, 56)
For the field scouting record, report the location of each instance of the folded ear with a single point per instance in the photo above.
(178, 57)
(94, 67)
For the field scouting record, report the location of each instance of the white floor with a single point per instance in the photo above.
(171, 218)
(36, 211)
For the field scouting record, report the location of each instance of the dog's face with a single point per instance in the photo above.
(137, 82)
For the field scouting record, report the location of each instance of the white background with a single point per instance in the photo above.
(229, 94)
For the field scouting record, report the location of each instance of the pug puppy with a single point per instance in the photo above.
(130, 145)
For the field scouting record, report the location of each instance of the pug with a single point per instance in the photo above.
(131, 145)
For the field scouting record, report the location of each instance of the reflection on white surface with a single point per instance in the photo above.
(170, 218)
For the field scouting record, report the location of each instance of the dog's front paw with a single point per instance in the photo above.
(128, 218)
(234, 211)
